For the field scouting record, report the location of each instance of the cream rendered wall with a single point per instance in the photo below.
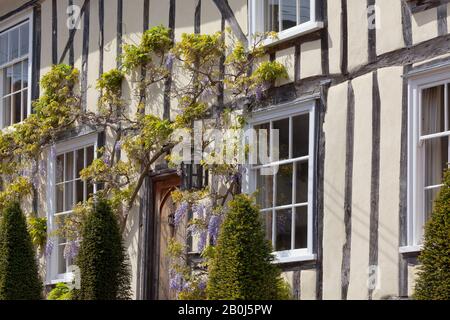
(46, 41)
(389, 32)
(211, 18)
(287, 58)
(308, 284)
(93, 56)
(63, 30)
(362, 163)
(334, 36)
(390, 84)
(310, 59)
(334, 182)
(184, 17)
(110, 33)
(10, 5)
(159, 13)
(424, 25)
(357, 34)
(78, 40)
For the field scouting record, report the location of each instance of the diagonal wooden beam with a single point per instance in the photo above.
(228, 14)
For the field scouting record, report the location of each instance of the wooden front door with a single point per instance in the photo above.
(164, 208)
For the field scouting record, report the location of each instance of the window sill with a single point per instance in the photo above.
(297, 31)
(410, 249)
(65, 278)
(286, 257)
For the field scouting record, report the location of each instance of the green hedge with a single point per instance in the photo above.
(102, 260)
(242, 267)
(434, 273)
(19, 278)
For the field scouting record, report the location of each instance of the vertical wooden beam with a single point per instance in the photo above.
(85, 55)
(119, 32)
(403, 201)
(72, 49)
(372, 32)
(324, 40)
(406, 24)
(442, 19)
(168, 82)
(375, 177)
(101, 22)
(297, 62)
(344, 37)
(348, 192)
(227, 12)
(36, 51)
(54, 32)
(146, 14)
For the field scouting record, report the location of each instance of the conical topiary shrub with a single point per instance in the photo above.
(433, 281)
(102, 259)
(242, 267)
(19, 278)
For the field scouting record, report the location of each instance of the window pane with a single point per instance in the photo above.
(59, 168)
(59, 198)
(69, 166)
(25, 74)
(7, 111)
(80, 191)
(283, 130)
(300, 136)
(436, 159)
(288, 13)
(272, 15)
(89, 155)
(433, 110)
(305, 11)
(17, 77)
(283, 230)
(263, 144)
(301, 227)
(264, 186)
(301, 180)
(61, 261)
(25, 103)
(80, 162)
(267, 224)
(3, 48)
(284, 185)
(24, 39)
(17, 107)
(430, 197)
(13, 44)
(68, 196)
(7, 81)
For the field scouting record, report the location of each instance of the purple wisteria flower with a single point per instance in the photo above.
(199, 210)
(43, 168)
(49, 248)
(118, 146)
(202, 240)
(180, 213)
(169, 60)
(106, 159)
(202, 285)
(213, 228)
(71, 249)
(176, 281)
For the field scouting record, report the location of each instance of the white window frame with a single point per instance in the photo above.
(279, 112)
(12, 23)
(62, 147)
(257, 23)
(415, 216)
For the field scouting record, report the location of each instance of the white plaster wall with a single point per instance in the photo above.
(390, 84)
(357, 34)
(334, 181)
(308, 284)
(10, 5)
(334, 36)
(389, 32)
(424, 25)
(362, 163)
(311, 59)
(93, 57)
(46, 41)
(287, 58)
(211, 19)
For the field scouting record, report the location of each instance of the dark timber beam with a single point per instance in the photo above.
(228, 14)
(348, 192)
(54, 32)
(72, 35)
(85, 55)
(375, 181)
